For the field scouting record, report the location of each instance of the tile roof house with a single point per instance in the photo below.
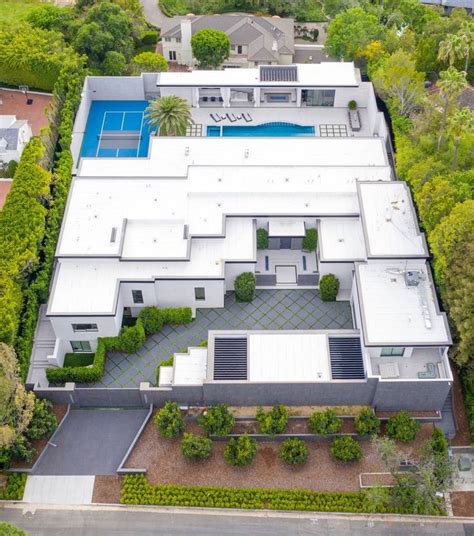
(254, 40)
(14, 135)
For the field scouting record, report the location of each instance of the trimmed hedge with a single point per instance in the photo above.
(15, 487)
(137, 490)
(310, 240)
(244, 286)
(329, 287)
(152, 320)
(262, 238)
(129, 340)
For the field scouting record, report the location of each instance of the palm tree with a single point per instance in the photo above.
(451, 83)
(169, 116)
(467, 33)
(461, 124)
(455, 47)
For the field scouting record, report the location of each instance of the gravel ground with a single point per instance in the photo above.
(166, 465)
(463, 503)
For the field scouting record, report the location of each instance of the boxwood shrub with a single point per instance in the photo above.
(324, 422)
(244, 287)
(240, 451)
(272, 422)
(196, 447)
(15, 487)
(366, 422)
(43, 422)
(151, 319)
(329, 287)
(169, 420)
(217, 420)
(346, 449)
(293, 451)
(137, 490)
(310, 240)
(262, 238)
(402, 427)
(177, 315)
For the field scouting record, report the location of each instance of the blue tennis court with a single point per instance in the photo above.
(116, 129)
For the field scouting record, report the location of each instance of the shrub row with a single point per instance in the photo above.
(129, 340)
(137, 490)
(15, 487)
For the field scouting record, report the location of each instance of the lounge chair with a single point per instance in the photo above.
(216, 118)
(247, 117)
(231, 118)
(224, 117)
(205, 99)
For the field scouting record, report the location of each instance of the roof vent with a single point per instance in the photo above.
(113, 234)
(186, 151)
(246, 153)
(413, 278)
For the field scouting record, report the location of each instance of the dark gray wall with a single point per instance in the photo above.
(418, 395)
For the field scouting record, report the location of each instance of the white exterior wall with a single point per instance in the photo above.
(108, 326)
(182, 92)
(180, 293)
(345, 94)
(116, 88)
(148, 291)
(342, 270)
(232, 270)
(176, 47)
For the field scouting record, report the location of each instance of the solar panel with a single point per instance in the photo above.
(278, 73)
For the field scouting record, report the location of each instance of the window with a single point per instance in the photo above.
(81, 346)
(200, 293)
(137, 296)
(239, 49)
(178, 39)
(168, 39)
(84, 327)
(172, 55)
(395, 351)
(318, 97)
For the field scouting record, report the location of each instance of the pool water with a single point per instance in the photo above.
(266, 129)
(116, 118)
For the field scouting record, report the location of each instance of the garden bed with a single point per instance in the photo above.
(39, 445)
(107, 489)
(463, 503)
(166, 465)
(294, 427)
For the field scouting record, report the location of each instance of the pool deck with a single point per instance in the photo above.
(301, 116)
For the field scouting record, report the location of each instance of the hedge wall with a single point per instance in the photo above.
(137, 490)
(33, 57)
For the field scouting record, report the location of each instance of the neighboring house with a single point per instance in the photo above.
(449, 5)
(254, 40)
(14, 135)
(178, 225)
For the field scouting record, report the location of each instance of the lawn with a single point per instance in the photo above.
(78, 360)
(12, 11)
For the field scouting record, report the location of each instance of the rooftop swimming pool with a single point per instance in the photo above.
(265, 129)
(116, 129)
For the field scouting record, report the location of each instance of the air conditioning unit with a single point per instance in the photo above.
(413, 278)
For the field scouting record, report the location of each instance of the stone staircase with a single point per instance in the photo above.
(448, 423)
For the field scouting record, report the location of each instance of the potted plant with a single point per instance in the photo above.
(352, 105)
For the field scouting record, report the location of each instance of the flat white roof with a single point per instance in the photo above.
(394, 313)
(171, 156)
(390, 221)
(286, 227)
(190, 369)
(328, 74)
(156, 239)
(288, 357)
(341, 239)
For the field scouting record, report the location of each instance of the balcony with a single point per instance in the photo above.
(286, 268)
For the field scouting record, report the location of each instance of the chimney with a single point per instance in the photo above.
(186, 34)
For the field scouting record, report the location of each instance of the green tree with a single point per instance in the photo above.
(149, 62)
(195, 447)
(451, 83)
(466, 32)
(351, 31)
(240, 451)
(169, 115)
(92, 41)
(169, 420)
(217, 420)
(16, 404)
(398, 80)
(455, 47)
(114, 63)
(460, 125)
(10, 530)
(50, 17)
(447, 238)
(210, 47)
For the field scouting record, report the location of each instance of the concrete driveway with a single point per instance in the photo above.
(91, 442)
(153, 13)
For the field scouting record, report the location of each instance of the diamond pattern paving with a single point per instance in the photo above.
(271, 309)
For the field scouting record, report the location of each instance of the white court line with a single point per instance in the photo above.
(123, 112)
(140, 137)
(100, 135)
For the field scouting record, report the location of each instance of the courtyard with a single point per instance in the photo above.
(271, 309)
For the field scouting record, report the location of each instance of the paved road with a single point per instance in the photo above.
(48, 522)
(152, 12)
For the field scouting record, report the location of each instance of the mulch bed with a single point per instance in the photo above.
(294, 426)
(166, 465)
(463, 503)
(107, 489)
(385, 479)
(39, 444)
(463, 437)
